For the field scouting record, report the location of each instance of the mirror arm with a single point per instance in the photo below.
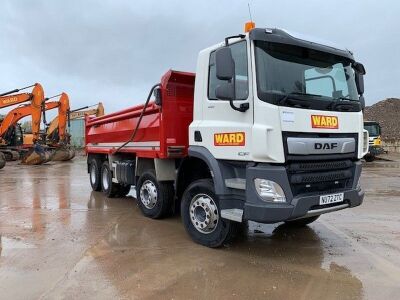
(241, 36)
(244, 106)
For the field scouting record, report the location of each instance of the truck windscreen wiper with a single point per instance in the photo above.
(296, 99)
(344, 104)
(344, 99)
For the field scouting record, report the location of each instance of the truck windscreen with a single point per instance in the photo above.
(373, 129)
(286, 71)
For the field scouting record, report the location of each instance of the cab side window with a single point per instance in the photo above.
(239, 54)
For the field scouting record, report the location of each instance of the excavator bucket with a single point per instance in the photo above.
(36, 156)
(2, 160)
(63, 154)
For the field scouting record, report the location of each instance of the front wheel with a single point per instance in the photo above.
(301, 222)
(201, 215)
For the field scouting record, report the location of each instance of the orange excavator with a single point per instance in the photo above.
(36, 99)
(58, 138)
(53, 128)
(9, 126)
(62, 151)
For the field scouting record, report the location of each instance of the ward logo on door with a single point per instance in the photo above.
(230, 139)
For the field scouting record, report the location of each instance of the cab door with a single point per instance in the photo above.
(226, 133)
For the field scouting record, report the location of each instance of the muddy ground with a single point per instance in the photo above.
(60, 240)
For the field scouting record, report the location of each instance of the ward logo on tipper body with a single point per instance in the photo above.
(230, 139)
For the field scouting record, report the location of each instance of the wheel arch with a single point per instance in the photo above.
(98, 156)
(200, 164)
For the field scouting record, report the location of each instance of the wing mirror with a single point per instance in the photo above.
(225, 71)
(359, 67)
(359, 77)
(157, 96)
(224, 64)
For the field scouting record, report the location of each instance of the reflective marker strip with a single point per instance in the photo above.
(142, 145)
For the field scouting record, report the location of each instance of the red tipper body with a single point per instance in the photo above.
(163, 131)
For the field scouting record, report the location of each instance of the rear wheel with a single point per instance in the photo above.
(201, 215)
(2, 160)
(109, 188)
(154, 198)
(94, 174)
(302, 222)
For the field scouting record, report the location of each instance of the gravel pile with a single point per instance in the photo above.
(387, 113)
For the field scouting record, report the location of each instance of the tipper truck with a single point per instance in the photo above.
(269, 129)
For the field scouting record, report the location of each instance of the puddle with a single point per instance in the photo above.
(8, 245)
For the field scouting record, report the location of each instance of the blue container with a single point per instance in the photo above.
(77, 132)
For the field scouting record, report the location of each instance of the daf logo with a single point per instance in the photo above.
(325, 146)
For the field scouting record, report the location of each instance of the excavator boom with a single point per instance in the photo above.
(10, 98)
(75, 114)
(63, 117)
(36, 97)
(20, 112)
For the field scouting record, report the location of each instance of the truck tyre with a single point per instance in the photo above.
(94, 174)
(301, 222)
(109, 188)
(2, 160)
(201, 215)
(154, 198)
(369, 158)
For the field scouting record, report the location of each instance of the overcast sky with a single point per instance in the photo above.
(114, 51)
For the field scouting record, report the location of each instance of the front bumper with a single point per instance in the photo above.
(303, 205)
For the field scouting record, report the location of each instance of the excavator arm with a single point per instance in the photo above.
(36, 97)
(11, 119)
(63, 117)
(75, 114)
(10, 100)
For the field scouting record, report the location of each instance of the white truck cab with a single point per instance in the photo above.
(278, 121)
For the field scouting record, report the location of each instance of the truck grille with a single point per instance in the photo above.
(315, 176)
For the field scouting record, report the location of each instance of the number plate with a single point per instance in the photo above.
(332, 198)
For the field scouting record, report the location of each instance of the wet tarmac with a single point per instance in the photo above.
(60, 240)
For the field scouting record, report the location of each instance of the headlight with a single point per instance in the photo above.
(269, 190)
(365, 141)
